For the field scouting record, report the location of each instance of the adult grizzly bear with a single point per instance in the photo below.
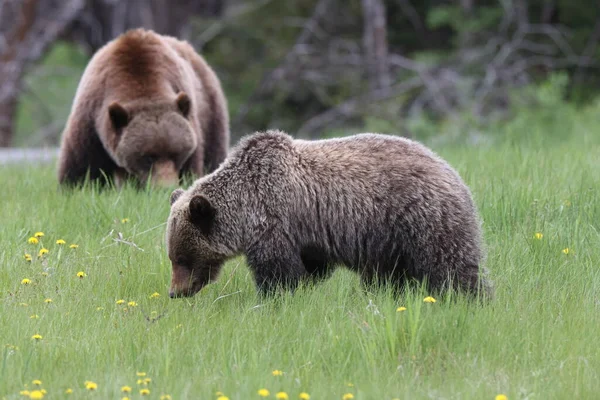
(146, 104)
(384, 206)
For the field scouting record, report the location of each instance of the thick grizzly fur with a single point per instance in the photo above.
(383, 206)
(146, 103)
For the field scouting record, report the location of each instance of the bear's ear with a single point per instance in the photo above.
(175, 195)
(202, 213)
(118, 116)
(184, 104)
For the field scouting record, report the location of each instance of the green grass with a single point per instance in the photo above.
(537, 340)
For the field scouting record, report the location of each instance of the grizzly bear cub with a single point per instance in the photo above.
(147, 107)
(383, 206)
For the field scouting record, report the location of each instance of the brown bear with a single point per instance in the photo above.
(383, 206)
(146, 103)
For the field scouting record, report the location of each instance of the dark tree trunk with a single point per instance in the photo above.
(103, 20)
(27, 28)
(375, 44)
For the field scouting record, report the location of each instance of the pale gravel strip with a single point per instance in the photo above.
(28, 155)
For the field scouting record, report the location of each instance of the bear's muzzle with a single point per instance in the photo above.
(183, 282)
(165, 174)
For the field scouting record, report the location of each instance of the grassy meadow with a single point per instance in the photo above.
(103, 315)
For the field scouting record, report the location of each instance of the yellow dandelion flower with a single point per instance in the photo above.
(43, 251)
(38, 234)
(348, 396)
(566, 250)
(125, 398)
(155, 295)
(34, 316)
(282, 396)
(277, 372)
(27, 257)
(165, 397)
(400, 309)
(48, 301)
(89, 385)
(119, 302)
(501, 397)
(429, 299)
(60, 242)
(81, 274)
(144, 392)
(538, 235)
(147, 381)
(140, 381)
(25, 281)
(304, 396)
(33, 240)
(43, 391)
(37, 382)
(37, 336)
(222, 398)
(126, 389)
(73, 246)
(24, 392)
(132, 304)
(69, 391)
(36, 395)
(124, 220)
(263, 392)
(137, 373)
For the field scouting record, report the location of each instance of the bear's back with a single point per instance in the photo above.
(378, 164)
(138, 64)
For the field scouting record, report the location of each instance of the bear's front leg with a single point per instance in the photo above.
(275, 265)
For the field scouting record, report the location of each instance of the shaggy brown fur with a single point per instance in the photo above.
(385, 207)
(145, 103)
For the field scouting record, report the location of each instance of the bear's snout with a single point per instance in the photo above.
(165, 173)
(183, 282)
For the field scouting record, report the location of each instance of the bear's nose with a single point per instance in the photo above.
(172, 294)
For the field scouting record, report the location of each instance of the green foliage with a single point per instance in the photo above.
(251, 44)
(48, 93)
(538, 338)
